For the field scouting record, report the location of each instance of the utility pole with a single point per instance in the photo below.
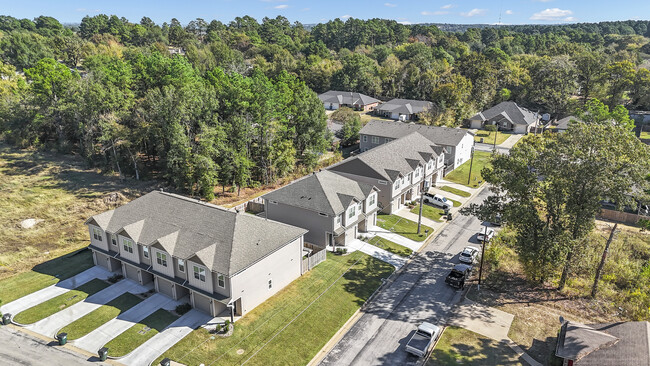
(495, 139)
(426, 188)
(480, 270)
(471, 161)
(594, 289)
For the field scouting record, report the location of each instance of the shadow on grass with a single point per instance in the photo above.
(67, 265)
(484, 352)
(364, 279)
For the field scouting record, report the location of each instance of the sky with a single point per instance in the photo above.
(309, 12)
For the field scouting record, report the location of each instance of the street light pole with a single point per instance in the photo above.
(471, 161)
(480, 270)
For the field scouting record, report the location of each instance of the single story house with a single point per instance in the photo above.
(332, 207)
(403, 109)
(401, 169)
(336, 99)
(563, 124)
(457, 143)
(508, 116)
(224, 262)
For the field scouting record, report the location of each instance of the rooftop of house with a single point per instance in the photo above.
(445, 136)
(510, 111)
(323, 192)
(343, 97)
(563, 124)
(392, 159)
(222, 240)
(405, 106)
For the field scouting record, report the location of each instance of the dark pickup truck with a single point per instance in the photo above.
(458, 275)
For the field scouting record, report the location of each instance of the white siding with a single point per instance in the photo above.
(98, 243)
(370, 207)
(348, 220)
(169, 270)
(133, 257)
(203, 285)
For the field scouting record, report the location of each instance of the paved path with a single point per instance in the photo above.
(161, 342)
(395, 238)
(381, 254)
(53, 323)
(407, 214)
(461, 199)
(510, 141)
(481, 319)
(50, 292)
(96, 339)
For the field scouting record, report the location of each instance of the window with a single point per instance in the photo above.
(387, 140)
(417, 172)
(410, 179)
(382, 182)
(351, 212)
(161, 259)
(375, 140)
(338, 220)
(145, 251)
(371, 200)
(365, 138)
(199, 273)
(128, 245)
(181, 265)
(397, 182)
(221, 281)
(113, 240)
(270, 284)
(97, 234)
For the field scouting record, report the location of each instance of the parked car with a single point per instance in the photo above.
(437, 200)
(425, 336)
(458, 275)
(496, 220)
(486, 234)
(468, 255)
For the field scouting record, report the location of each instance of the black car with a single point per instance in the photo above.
(458, 275)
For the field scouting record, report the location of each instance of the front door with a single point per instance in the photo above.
(329, 239)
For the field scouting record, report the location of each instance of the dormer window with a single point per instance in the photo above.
(371, 200)
(97, 234)
(199, 273)
(375, 140)
(145, 251)
(161, 259)
(181, 265)
(351, 212)
(127, 245)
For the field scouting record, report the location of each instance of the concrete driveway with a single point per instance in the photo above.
(381, 254)
(481, 319)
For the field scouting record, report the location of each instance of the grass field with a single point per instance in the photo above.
(488, 137)
(403, 227)
(430, 212)
(645, 135)
(133, 337)
(293, 325)
(390, 246)
(103, 314)
(460, 174)
(459, 346)
(456, 191)
(63, 301)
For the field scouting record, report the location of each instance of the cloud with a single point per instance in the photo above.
(474, 12)
(509, 12)
(405, 22)
(448, 6)
(438, 12)
(390, 5)
(283, 6)
(346, 16)
(554, 14)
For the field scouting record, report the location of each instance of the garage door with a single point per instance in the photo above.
(102, 260)
(202, 303)
(165, 287)
(131, 272)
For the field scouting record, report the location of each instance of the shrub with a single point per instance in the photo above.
(183, 308)
(115, 278)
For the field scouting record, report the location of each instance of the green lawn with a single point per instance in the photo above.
(133, 337)
(103, 314)
(460, 174)
(402, 226)
(430, 212)
(458, 346)
(390, 246)
(456, 191)
(54, 305)
(645, 135)
(488, 137)
(44, 275)
(261, 337)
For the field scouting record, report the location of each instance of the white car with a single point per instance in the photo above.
(468, 255)
(486, 234)
(437, 200)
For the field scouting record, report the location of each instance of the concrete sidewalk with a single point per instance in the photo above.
(50, 325)
(381, 254)
(161, 342)
(510, 141)
(395, 238)
(53, 291)
(407, 214)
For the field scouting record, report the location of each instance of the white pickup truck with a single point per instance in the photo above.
(423, 338)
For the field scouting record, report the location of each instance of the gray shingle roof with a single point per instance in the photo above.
(444, 136)
(324, 192)
(405, 106)
(342, 97)
(509, 110)
(223, 240)
(388, 161)
(563, 124)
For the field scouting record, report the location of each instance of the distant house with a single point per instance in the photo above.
(336, 99)
(332, 207)
(563, 124)
(610, 344)
(222, 261)
(457, 143)
(403, 109)
(508, 116)
(401, 169)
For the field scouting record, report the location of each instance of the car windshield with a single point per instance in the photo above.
(443, 199)
(465, 254)
(456, 274)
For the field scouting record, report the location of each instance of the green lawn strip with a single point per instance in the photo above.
(460, 174)
(430, 212)
(459, 346)
(54, 305)
(645, 135)
(488, 137)
(101, 315)
(402, 226)
(300, 341)
(133, 337)
(456, 191)
(44, 275)
(390, 246)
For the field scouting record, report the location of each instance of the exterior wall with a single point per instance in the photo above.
(385, 194)
(103, 244)
(463, 151)
(317, 224)
(146, 277)
(520, 129)
(205, 286)
(181, 291)
(177, 272)
(351, 234)
(369, 207)
(169, 270)
(215, 284)
(133, 257)
(143, 259)
(282, 267)
(476, 124)
(347, 220)
(114, 246)
(331, 106)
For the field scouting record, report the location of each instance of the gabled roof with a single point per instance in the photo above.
(225, 241)
(563, 124)
(390, 160)
(405, 106)
(342, 97)
(509, 110)
(324, 192)
(444, 136)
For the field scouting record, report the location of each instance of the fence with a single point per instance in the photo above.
(314, 258)
(255, 205)
(619, 216)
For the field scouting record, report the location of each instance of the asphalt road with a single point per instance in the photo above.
(418, 294)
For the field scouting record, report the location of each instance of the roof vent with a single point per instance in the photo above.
(162, 190)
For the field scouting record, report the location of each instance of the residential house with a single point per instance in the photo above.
(508, 116)
(610, 344)
(457, 143)
(332, 207)
(403, 109)
(336, 99)
(563, 124)
(224, 262)
(401, 169)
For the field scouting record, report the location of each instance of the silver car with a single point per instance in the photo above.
(486, 234)
(468, 255)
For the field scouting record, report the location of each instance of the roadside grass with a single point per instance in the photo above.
(645, 135)
(403, 227)
(54, 305)
(458, 346)
(44, 275)
(430, 212)
(390, 246)
(460, 174)
(135, 336)
(367, 116)
(456, 191)
(267, 335)
(103, 314)
(488, 137)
